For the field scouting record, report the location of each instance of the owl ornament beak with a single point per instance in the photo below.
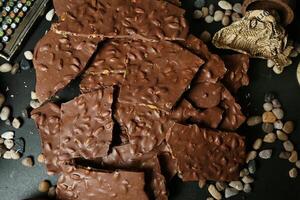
(260, 33)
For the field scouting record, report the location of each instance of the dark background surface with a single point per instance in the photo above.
(272, 181)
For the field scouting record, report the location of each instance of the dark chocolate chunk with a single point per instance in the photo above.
(58, 59)
(83, 184)
(158, 74)
(127, 157)
(236, 76)
(214, 68)
(151, 20)
(206, 154)
(145, 127)
(47, 119)
(86, 125)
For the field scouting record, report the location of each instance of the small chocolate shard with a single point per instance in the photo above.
(236, 76)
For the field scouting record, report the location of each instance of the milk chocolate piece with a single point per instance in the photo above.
(151, 20)
(144, 126)
(127, 157)
(233, 117)
(83, 184)
(214, 68)
(206, 154)
(158, 74)
(236, 76)
(185, 111)
(205, 95)
(58, 59)
(47, 119)
(109, 66)
(87, 125)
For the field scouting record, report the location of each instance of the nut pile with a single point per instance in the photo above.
(225, 13)
(275, 129)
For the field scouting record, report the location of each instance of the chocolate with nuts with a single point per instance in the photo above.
(87, 125)
(151, 20)
(58, 59)
(158, 74)
(83, 184)
(126, 157)
(206, 154)
(214, 67)
(145, 127)
(236, 76)
(47, 119)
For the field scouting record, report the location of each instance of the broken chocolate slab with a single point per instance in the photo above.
(233, 117)
(214, 68)
(208, 95)
(83, 184)
(236, 76)
(58, 59)
(205, 153)
(127, 157)
(108, 67)
(158, 74)
(145, 127)
(186, 112)
(151, 20)
(47, 119)
(87, 125)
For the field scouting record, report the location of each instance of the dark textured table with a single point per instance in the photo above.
(272, 181)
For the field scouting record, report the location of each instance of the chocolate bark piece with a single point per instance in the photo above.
(211, 94)
(144, 126)
(206, 95)
(151, 20)
(108, 67)
(87, 125)
(83, 184)
(214, 68)
(127, 157)
(185, 111)
(233, 117)
(47, 119)
(58, 59)
(158, 74)
(236, 76)
(205, 153)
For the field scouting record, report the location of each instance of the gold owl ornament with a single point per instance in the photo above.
(258, 34)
